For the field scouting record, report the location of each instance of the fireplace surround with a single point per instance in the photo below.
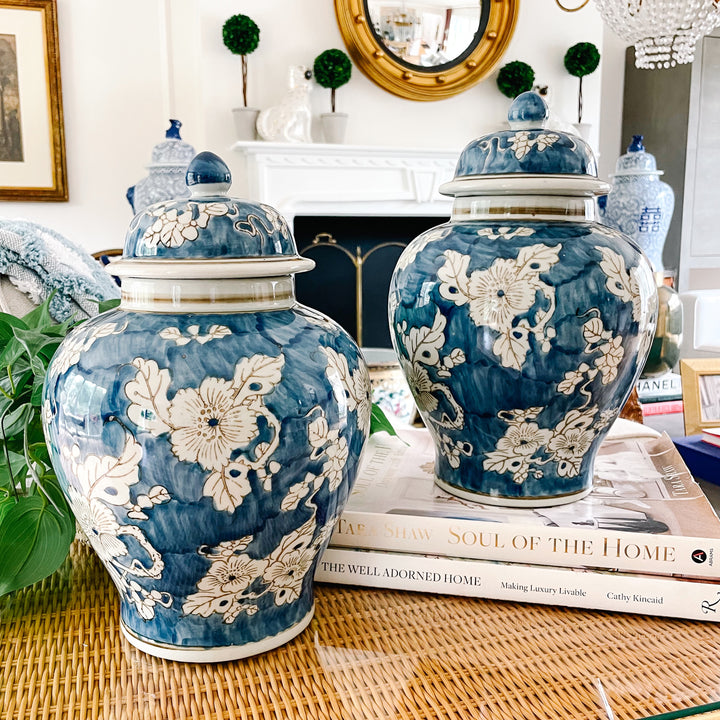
(352, 209)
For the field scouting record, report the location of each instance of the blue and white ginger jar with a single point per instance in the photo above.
(639, 203)
(208, 431)
(166, 172)
(523, 323)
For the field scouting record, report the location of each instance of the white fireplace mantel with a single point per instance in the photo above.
(324, 179)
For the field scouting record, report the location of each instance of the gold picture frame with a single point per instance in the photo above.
(32, 136)
(701, 393)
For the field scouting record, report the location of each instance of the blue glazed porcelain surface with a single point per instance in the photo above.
(640, 204)
(207, 455)
(521, 338)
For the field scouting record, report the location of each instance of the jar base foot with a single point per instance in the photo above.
(215, 654)
(530, 502)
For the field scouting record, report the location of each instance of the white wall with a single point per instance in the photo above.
(117, 98)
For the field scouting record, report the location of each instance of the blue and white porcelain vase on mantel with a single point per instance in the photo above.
(639, 203)
(523, 323)
(207, 432)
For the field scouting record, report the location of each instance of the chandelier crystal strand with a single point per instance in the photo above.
(664, 32)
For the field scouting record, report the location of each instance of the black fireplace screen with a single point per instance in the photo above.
(355, 258)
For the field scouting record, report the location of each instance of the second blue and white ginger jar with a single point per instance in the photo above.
(523, 323)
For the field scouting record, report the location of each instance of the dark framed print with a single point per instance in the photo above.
(32, 138)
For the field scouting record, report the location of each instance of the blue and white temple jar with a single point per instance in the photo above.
(523, 323)
(640, 204)
(166, 172)
(208, 431)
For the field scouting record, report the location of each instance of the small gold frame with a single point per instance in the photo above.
(384, 69)
(701, 393)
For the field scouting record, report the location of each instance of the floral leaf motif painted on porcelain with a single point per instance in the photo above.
(424, 343)
(620, 281)
(175, 335)
(289, 563)
(526, 446)
(223, 589)
(257, 375)
(209, 424)
(453, 278)
(597, 340)
(328, 447)
(512, 346)
(147, 392)
(229, 485)
(255, 225)
(413, 249)
(106, 480)
(75, 345)
(505, 233)
(235, 581)
(353, 386)
(422, 346)
(172, 229)
(109, 478)
(500, 295)
(521, 143)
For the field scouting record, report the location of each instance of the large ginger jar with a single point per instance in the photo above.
(522, 323)
(208, 431)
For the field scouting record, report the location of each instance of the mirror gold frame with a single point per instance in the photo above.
(383, 68)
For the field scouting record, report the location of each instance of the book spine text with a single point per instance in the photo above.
(644, 594)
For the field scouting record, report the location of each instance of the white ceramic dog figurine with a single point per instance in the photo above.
(290, 120)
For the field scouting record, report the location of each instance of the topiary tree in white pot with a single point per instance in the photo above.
(241, 36)
(332, 69)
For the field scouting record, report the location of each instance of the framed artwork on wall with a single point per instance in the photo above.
(32, 139)
(701, 393)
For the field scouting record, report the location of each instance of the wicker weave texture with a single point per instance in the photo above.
(367, 654)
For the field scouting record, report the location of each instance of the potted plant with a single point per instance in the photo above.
(332, 69)
(36, 524)
(581, 60)
(241, 36)
(514, 78)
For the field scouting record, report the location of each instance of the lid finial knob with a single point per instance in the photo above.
(207, 174)
(528, 110)
(637, 144)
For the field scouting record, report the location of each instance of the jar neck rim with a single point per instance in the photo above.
(525, 207)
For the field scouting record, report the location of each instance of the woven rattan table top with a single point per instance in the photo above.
(366, 654)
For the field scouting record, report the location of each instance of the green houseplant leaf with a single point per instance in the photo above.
(36, 523)
(35, 536)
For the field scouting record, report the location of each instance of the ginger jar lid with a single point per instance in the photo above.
(636, 161)
(527, 159)
(209, 231)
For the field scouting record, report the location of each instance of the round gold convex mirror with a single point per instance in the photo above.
(426, 49)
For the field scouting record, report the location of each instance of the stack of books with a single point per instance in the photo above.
(660, 395)
(646, 540)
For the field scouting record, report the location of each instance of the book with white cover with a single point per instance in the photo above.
(662, 595)
(645, 513)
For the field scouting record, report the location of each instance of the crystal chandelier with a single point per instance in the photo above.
(664, 32)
